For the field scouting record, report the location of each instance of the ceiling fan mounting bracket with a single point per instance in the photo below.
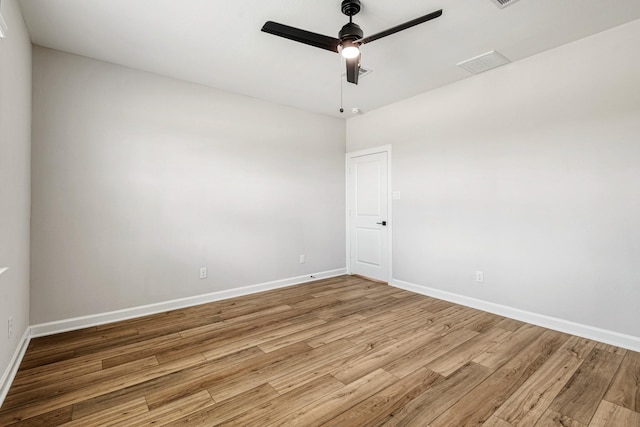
(350, 7)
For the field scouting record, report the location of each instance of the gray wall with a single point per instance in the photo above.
(15, 153)
(530, 173)
(138, 180)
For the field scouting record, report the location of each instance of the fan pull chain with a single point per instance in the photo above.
(341, 106)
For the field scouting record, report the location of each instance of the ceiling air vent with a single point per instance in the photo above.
(503, 3)
(484, 62)
(363, 72)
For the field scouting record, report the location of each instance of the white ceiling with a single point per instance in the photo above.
(219, 43)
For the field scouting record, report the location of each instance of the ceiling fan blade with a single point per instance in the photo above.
(353, 69)
(301, 36)
(401, 27)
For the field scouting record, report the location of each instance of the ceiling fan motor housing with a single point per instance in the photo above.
(351, 32)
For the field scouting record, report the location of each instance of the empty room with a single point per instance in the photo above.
(320, 213)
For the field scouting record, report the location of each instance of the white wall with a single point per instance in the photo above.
(138, 180)
(530, 173)
(15, 158)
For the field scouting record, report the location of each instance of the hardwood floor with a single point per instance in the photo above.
(336, 352)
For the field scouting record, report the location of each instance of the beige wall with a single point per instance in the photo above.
(138, 180)
(529, 173)
(15, 152)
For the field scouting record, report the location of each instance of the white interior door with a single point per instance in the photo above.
(368, 215)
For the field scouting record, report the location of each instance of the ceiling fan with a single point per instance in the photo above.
(350, 37)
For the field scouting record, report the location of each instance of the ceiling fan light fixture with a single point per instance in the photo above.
(350, 51)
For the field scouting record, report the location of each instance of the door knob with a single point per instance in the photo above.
(383, 223)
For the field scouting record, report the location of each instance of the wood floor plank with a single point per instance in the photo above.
(288, 365)
(41, 376)
(378, 406)
(510, 324)
(527, 404)
(52, 418)
(337, 402)
(61, 338)
(256, 340)
(553, 419)
(343, 351)
(284, 405)
(107, 343)
(420, 356)
(202, 377)
(164, 353)
(117, 414)
(208, 340)
(328, 337)
(249, 317)
(173, 411)
(327, 364)
(307, 333)
(311, 304)
(67, 385)
(485, 322)
(155, 326)
(611, 348)
(51, 403)
(496, 422)
(438, 306)
(85, 340)
(370, 362)
(223, 366)
(480, 403)
(428, 405)
(121, 354)
(497, 356)
(221, 412)
(625, 389)
(400, 327)
(609, 414)
(452, 318)
(580, 397)
(387, 306)
(44, 359)
(459, 356)
(344, 308)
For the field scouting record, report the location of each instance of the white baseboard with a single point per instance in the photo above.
(75, 323)
(11, 371)
(602, 335)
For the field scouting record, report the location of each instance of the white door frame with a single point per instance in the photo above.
(349, 157)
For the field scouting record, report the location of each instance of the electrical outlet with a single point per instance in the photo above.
(303, 259)
(10, 327)
(479, 276)
(203, 272)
